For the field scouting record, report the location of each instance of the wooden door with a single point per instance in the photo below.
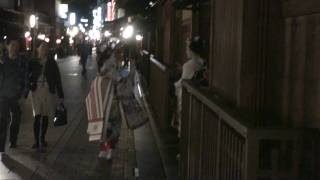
(301, 73)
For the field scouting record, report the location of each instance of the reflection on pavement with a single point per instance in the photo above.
(7, 172)
(73, 74)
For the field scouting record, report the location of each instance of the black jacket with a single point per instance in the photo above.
(13, 78)
(51, 73)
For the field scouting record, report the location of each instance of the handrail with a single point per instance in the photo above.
(238, 144)
(205, 99)
(154, 60)
(158, 63)
(145, 52)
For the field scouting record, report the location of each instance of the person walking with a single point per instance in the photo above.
(109, 121)
(45, 84)
(84, 52)
(13, 89)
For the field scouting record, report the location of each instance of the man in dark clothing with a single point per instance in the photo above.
(13, 88)
(126, 54)
(84, 52)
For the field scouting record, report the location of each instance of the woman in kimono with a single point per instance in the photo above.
(190, 68)
(108, 65)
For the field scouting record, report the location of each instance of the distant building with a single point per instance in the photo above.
(14, 17)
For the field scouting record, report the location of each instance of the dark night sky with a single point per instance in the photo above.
(81, 7)
(84, 7)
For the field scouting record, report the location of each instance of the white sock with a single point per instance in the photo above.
(109, 154)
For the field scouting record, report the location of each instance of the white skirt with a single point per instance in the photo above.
(43, 102)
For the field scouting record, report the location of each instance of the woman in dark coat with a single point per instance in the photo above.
(45, 84)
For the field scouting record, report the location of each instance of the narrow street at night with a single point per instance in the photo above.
(70, 155)
(159, 89)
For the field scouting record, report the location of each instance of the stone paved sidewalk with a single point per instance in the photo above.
(124, 157)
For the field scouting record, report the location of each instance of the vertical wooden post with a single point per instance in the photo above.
(218, 151)
(202, 119)
(251, 161)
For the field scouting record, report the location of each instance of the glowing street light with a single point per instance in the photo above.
(128, 32)
(107, 34)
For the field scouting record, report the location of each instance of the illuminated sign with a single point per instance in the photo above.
(110, 14)
(63, 10)
(72, 18)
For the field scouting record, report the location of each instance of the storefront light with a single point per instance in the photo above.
(47, 39)
(151, 3)
(27, 34)
(75, 31)
(58, 41)
(71, 41)
(84, 20)
(82, 29)
(139, 37)
(107, 33)
(32, 20)
(98, 36)
(4, 37)
(91, 34)
(63, 10)
(41, 37)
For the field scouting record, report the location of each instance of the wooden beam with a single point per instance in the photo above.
(293, 8)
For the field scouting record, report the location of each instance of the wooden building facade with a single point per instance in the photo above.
(15, 15)
(260, 117)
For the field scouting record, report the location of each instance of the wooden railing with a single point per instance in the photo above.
(157, 77)
(143, 64)
(215, 145)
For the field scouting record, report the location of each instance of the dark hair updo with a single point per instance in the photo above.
(197, 46)
(106, 54)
